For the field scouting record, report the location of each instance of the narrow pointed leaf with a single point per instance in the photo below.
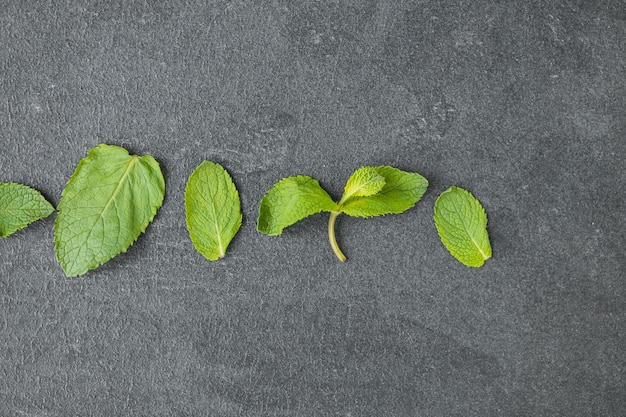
(365, 181)
(290, 200)
(212, 210)
(399, 193)
(462, 226)
(20, 205)
(107, 203)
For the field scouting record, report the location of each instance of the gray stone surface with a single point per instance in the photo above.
(521, 102)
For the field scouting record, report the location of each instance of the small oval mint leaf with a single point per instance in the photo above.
(399, 193)
(363, 182)
(462, 226)
(20, 205)
(290, 200)
(212, 210)
(107, 203)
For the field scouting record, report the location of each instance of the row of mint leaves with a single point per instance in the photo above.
(113, 196)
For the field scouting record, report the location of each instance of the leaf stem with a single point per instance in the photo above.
(332, 238)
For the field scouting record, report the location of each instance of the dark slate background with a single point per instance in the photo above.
(521, 102)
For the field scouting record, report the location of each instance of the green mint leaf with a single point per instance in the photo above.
(399, 193)
(462, 226)
(20, 205)
(290, 200)
(107, 203)
(364, 182)
(212, 210)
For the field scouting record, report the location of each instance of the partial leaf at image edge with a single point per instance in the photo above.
(212, 210)
(20, 205)
(461, 222)
(290, 200)
(110, 199)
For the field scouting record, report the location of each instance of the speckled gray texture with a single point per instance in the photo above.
(521, 102)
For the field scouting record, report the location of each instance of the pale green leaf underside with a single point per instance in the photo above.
(400, 192)
(20, 205)
(365, 181)
(107, 203)
(290, 200)
(212, 210)
(462, 226)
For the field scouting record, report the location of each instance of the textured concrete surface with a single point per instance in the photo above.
(521, 102)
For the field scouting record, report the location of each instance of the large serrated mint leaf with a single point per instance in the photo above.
(20, 205)
(462, 226)
(290, 200)
(400, 192)
(212, 210)
(107, 203)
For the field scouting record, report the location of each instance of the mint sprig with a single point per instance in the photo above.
(370, 191)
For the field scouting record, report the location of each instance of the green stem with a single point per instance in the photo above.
(332, 238)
